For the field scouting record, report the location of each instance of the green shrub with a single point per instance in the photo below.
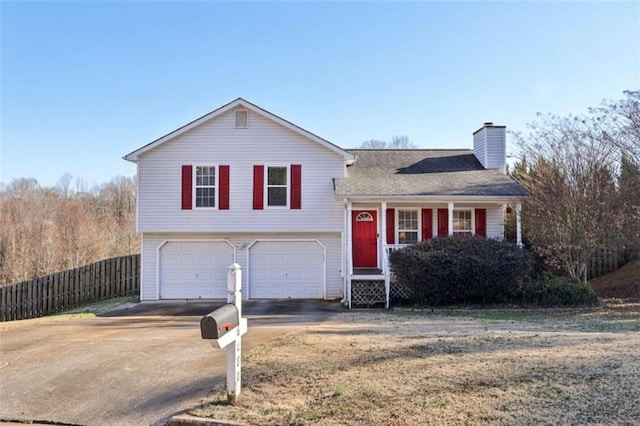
(462, 269)
(558, 291)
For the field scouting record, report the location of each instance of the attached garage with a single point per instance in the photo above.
(287, 269)
(194, 269)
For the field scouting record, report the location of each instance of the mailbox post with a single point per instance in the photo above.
(225, 326)
(234, 350)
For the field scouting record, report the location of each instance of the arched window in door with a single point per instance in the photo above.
(364, 217)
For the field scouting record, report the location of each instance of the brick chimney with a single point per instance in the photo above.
(490, 146)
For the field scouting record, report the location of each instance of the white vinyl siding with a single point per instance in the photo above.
(218, 141)
(151, 242)
(496, 148)
(495, 222)
(490, 147)
(480, 147)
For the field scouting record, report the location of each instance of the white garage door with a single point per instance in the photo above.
(286, 269)
(194, 269)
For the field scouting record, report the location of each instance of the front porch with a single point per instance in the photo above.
(374, 230)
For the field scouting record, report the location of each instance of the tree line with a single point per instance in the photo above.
(48, 229)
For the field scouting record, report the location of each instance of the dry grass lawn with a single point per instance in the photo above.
(459, 367)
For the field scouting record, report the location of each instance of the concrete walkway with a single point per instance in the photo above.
(132, 367)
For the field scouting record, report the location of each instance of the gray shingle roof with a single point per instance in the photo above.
(419, 172)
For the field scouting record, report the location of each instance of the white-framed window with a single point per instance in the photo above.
(277, 187)
(204, 186)
(241, 118)
(408, 226)
(462, 221)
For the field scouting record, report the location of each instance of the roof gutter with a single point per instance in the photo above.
(422, 198)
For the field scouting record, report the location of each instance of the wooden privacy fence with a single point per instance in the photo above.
(106, 279)
(606, 260)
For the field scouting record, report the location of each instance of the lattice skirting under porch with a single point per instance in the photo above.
(399, 292)
(371, 292)
(367, 292)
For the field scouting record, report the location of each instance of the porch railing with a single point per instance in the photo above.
(388, 249)
(386, 270)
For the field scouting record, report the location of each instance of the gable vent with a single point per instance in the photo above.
(242, 119)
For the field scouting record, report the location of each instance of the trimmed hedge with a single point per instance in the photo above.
(462, 269)
(473, 270)
(558, 291)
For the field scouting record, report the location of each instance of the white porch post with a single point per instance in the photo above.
(345, 262)
(383, 235)
(519, 224)
(384, 254)
(349, 251)
(450, 221)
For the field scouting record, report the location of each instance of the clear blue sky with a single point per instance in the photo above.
(84, 83)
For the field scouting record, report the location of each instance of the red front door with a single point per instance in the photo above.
(365, 238)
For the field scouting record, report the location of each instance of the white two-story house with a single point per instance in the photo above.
(303, 217)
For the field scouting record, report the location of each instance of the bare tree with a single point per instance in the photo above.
(619, 123)
(397, 142)
(22, 187)
(401, 142)
(373, 144)
(575, 205)
(64, 184)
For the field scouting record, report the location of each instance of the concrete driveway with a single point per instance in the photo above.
(133, 367)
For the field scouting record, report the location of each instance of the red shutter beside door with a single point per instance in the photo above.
(187, 187)
(258, 187)
(427, 224)
(443, 222)
(296, 186)
(481, 222)
(391, 221)
(224, 187)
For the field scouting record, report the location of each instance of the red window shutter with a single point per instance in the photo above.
(223, 182)
(258, 187)
(443, 222)
(187, 187)
(427, 224)
(296, 186)
(391, 222)
(481, 222)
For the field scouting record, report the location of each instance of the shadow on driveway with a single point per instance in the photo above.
(264, 312)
